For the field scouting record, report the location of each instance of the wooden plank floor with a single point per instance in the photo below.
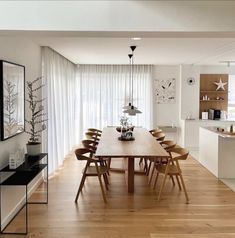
(211, 212)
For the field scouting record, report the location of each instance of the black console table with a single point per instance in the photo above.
(22, 176)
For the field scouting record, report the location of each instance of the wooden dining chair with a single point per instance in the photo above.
(95, 134)
(92, 146)
(156, 130)
(92, 135)
(93, 167)
(153, 131)
(172, 168)
(167, 145)
(96, 131)
(160, 136)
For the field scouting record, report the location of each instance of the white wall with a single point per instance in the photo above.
(189, 136)
(147, 16)
(189, 101)
(24, 52)
(190, 94)
(217, 69)
(166, 114)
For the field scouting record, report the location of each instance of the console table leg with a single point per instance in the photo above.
(26, 218)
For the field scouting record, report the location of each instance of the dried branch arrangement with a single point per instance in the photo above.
(10, 98)
(37, 121)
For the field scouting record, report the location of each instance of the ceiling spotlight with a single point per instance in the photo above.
(136, 38)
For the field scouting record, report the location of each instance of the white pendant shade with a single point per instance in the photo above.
(132, 111)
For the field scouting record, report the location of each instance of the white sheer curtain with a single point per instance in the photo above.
(104, 90)
(60, 75)
(88, 96)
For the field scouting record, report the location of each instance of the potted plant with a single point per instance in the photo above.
(36, 122)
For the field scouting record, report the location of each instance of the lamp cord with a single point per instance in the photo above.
(132, 85)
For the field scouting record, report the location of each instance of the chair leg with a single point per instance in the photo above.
(109, 164)
(106, 164)
(107, 178)
(178, 182)
(151, 176)
(106, 181)
(155, 182)
(163, 182)
(172, 179)
(82, 181)
(100, 181)
(149, 167)
(185, 192)
(141, 161)
(80, 186)
(146, 166)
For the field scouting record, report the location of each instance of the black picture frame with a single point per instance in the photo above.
(12, 99)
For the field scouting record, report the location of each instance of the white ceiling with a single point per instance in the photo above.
(164, 51)
(98, 32)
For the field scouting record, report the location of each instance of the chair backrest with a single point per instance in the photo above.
(160, 136)
(156, 130)
(92, 136)
(168, 144)
(90, 144)
(94, 130)
(81, 154)
(178, 153)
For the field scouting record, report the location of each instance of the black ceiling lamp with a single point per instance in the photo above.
(131, 109)
(130, 77)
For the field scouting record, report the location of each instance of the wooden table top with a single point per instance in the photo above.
(144, 145)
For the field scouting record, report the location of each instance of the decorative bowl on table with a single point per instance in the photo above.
(126, 133)
(124, 129)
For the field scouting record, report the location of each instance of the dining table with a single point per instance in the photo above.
(143, 146)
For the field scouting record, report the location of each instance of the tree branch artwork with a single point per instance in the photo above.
(10, 100)
(37, 120)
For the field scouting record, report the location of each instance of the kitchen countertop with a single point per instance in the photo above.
(221, 120)
(222, 134)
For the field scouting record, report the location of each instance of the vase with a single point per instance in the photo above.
(34, 149)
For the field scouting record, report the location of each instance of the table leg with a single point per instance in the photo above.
(130, 174)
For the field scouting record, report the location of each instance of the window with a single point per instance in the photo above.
(231, 97)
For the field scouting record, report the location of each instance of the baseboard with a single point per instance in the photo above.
(10, 216)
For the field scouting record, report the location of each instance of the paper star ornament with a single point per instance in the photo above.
(220, 85)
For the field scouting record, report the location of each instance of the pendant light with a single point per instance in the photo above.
(130, 78)
(131, 109)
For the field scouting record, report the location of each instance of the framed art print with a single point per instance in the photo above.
(165, 91)
(12, 93)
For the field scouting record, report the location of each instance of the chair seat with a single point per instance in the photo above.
(91, 170)
(94, 167)
(172, 169)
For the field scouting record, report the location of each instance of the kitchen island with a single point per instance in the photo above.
(217, 152)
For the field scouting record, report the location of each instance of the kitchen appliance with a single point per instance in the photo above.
(223, 115)
(214, 114)
(204, 115)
